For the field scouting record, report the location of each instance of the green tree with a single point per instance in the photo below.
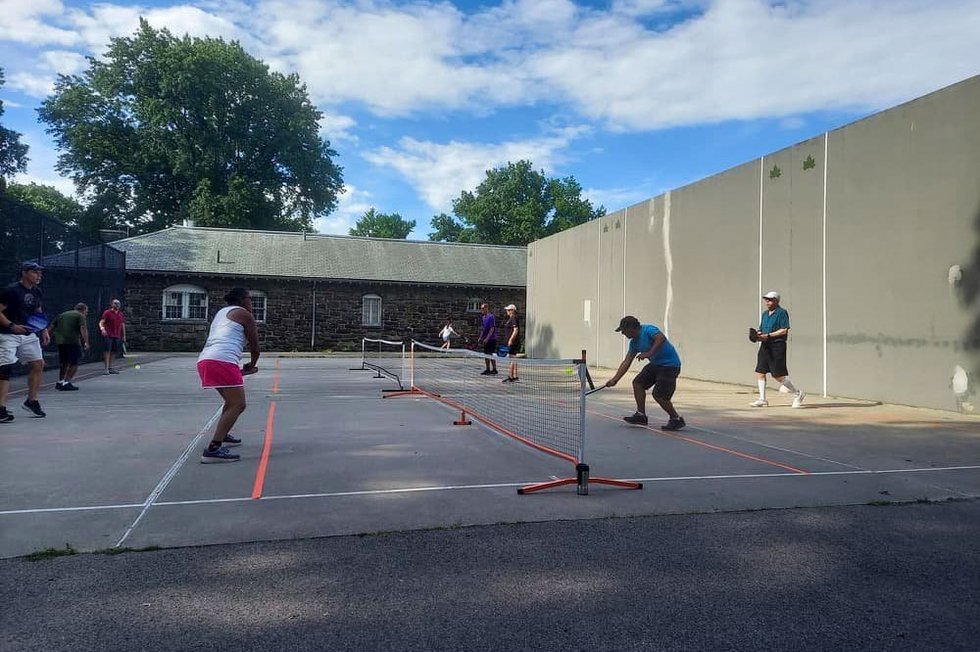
(13, 153)
(382, 225)
(515, 205)
(48, 200)
(165, 128)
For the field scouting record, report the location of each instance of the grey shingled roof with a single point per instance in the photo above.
(196, 250)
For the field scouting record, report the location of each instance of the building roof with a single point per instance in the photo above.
(202, 250)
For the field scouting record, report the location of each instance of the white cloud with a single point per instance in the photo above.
(351, 205)
(337, 128)
(440, 172)
(29, 22)
(33, 84)
(64, 62)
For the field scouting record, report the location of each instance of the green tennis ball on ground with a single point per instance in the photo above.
(137, 367)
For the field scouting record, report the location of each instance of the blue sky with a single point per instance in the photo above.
(630, 97)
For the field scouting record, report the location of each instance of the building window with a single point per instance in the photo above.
(258, 305)
(473, 304)
(185, 302)
(371, 310)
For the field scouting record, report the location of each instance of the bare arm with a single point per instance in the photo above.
(245, 318)
(623, 368)
(658, 341)
(782, 332)
(84, 333)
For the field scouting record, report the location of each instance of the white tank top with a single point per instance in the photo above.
(226, 339)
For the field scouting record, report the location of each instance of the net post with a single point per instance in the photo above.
(581, 424)
(582, 479)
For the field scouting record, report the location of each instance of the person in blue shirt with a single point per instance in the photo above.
(663, 368)
(773, 331)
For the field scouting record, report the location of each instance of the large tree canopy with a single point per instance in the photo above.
(514, 205)
(48, 200)
(13, 153)
(382, 225)
(167, 128)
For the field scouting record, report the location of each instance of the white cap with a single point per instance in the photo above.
(771, 295)
(510, 307)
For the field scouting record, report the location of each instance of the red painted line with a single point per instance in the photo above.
(275, 383)
(698, 442)
(266, 449)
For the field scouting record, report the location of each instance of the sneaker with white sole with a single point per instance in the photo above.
(217, 455)
(798, 399)
(759, 402)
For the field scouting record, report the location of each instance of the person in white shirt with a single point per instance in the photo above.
(447, 334)
(218, 368)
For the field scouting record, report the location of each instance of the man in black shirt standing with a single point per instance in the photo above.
(17, 342)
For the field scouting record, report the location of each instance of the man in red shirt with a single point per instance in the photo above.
(113, 327)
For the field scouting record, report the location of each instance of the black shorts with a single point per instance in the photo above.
(662, 379)
(772, 359)
(112, 345)
(490, 347)
(69, 353)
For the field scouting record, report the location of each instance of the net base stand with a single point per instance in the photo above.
(582, 480)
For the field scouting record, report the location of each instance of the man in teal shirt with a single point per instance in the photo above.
(661, 372)
(771, 359)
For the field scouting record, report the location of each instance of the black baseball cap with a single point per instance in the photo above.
(629, 321)
(30, 266)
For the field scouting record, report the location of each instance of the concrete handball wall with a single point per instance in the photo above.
(407, 311)
(871, 233)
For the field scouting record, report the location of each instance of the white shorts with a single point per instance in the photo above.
(25, 348)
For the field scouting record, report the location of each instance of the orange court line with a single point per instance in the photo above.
(266, 449)
(717, 448)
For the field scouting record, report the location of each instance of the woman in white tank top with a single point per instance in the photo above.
(217, 365)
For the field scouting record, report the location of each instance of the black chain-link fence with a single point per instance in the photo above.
(78, 268)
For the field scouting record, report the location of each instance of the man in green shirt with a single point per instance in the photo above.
(71, 335)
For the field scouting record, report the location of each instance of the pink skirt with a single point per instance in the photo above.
(215, 373)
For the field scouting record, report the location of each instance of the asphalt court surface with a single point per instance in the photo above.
(117, 464)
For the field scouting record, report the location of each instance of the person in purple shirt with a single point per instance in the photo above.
(488, 338)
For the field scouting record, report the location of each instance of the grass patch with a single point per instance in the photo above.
(121, 550)
(51, 553)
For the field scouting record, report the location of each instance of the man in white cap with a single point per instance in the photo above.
(773, 331)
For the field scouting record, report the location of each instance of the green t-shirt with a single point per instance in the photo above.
(68, 327)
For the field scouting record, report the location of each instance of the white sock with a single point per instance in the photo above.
(788, 385)
(762, 390)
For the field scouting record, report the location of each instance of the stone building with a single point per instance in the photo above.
(311, 292)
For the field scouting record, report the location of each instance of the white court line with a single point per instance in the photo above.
(168, 476)
(504, 485)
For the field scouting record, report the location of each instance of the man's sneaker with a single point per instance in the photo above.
(230, 441)
(674, 424)
(760, 402)
(637, 418)
(217, 455)
(493, 372)
(485, 372)
(60, 386)
(68, 387)
(798, 399)
(106, 372)
(34, 408)
(112, 371)
(5, 417)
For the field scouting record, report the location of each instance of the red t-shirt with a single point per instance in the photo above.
(113, 322)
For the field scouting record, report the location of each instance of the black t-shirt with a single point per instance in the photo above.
(19, 303)
(512, 324)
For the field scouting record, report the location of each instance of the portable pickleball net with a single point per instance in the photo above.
(544, 408)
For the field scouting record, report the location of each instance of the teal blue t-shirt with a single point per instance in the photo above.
(778, 319)
(666, 355)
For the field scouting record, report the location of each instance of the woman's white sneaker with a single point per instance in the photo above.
(761, 402)
(798, 399)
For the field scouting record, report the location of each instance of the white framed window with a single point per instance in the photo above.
(258, 305)
(185, 302)
(473, 304)
(371, 310)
